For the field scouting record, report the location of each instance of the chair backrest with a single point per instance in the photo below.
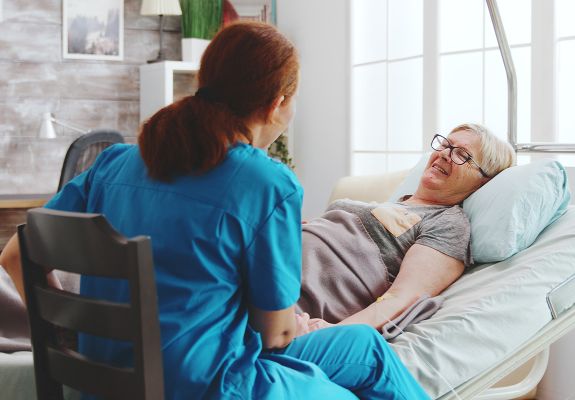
(83, 152)
(86, 244)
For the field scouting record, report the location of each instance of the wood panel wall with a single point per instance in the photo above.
(34, 78)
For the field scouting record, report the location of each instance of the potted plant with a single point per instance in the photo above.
(279, 151)
(201, 19)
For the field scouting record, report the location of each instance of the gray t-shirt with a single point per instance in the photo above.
(395, 227)
(352, 253)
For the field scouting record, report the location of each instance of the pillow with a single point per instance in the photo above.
(507, 213)
(411, 182)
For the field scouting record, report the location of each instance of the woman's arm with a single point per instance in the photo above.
(277, 328)
(423, 271)
(10, 260)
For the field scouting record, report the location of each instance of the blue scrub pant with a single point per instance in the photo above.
(345, 362)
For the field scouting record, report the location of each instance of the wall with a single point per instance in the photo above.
(320, 131)
(34, 78)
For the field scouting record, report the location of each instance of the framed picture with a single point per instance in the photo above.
(93, 29)
(260, 10)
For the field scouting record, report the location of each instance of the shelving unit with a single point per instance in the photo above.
(157, 84)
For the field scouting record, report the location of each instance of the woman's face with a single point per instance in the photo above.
(449, 182)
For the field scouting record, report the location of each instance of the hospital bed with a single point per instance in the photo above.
(499, 316)
(513, 309)
(495, 318)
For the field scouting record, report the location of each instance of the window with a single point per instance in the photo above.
(387, 70)
(420, 68)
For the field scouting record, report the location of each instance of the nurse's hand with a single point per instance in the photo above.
(301, 321)
(315, 324)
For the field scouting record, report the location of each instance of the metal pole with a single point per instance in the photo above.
(512, 93)
(509, 69)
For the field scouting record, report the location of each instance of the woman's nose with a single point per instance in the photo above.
(446, 154)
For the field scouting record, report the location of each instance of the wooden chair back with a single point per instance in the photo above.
(86, 244)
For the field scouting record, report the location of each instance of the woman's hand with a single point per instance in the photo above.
(315, 324)
(305, 324)
(301, 322)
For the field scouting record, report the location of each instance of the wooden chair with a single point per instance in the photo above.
(83, 152)
(86, 244)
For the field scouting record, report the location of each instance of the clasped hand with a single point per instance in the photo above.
(305, 324)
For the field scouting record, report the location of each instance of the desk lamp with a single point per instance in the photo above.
(47, 128)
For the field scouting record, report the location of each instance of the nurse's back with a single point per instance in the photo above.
(201, 228)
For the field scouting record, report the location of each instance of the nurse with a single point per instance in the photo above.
(224, 220)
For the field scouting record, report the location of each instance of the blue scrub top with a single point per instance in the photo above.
(221, 240)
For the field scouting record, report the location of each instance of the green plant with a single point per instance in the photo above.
(279, 151)
(201, 18)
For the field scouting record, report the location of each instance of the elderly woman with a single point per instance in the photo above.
(367, 263)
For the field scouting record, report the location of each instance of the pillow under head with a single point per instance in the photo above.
(508, 213)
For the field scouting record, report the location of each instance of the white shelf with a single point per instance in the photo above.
(157, 84)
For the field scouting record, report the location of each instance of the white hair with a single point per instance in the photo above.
(496, 154)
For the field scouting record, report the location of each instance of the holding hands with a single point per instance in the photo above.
(305, 324)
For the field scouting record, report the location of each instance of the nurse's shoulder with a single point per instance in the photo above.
(258, 171)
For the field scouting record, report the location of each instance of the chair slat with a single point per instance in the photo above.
(68, 310)
(76, 371)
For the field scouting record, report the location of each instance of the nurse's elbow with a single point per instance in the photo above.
(278, 341)
(277, 328)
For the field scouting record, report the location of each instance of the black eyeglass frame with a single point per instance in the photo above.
(467, 157)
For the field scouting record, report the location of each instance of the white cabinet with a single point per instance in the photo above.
(157, 84)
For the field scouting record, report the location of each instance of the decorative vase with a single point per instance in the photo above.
(193, 48)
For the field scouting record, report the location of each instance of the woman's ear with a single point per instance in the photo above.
(274, 108)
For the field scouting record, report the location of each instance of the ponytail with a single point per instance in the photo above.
(191, 135)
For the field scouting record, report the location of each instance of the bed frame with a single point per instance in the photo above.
(480, 387)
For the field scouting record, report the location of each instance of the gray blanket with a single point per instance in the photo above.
(14, 330)
(343, 273)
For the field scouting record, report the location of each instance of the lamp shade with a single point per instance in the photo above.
(160, 7)
(47, 129)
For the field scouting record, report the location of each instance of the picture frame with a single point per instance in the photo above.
(93, 30)
(264, 11)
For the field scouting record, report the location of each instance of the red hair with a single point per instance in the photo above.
(246, 67)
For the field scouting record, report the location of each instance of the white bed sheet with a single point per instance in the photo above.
(17, 378)
(489, 312)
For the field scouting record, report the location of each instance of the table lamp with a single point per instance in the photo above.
(161, 8)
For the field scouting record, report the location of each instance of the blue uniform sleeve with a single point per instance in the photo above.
(74, 195)
(274, 257)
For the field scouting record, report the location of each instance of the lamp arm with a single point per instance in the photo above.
(71, 127)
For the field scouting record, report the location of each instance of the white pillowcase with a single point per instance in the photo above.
(508, 213)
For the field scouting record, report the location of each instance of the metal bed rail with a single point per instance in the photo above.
(512, 93)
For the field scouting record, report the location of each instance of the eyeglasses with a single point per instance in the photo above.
(458, 155)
